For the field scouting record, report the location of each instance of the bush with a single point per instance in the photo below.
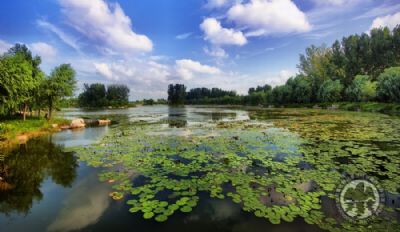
(330, 91)
(361, 89)
(388, 89)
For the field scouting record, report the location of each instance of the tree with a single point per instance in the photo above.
(301, 89)
(61, 83)
(330, 91)
(16, 82)
(317, 65)
(362, 89)
(388, 89)
(36, 75)
(94, 95)
(281, 94)
(176, 94)
(117, 95)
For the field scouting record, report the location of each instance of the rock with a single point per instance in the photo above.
(77, 123)
(104, 122)
(65, 127)
(316, 107)
(54, 125)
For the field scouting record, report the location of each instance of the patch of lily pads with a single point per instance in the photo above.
(276, 167)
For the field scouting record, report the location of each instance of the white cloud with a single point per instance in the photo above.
(220, 3)
(335, 2)
(187, 68)
(184, 35)
(216, 34)
(269, 16)
(4, 46)
(46, 51)
(106, 23)
(282, 77)
(63, 36)
(215, 52)
(145, 78)
(115, 71)
(390, 21)
(383, 9)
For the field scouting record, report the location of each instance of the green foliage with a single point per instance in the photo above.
(176, 94)
(330, 91)
(301, 89)
(388, 89)
(16, 82)
(281, 94)
(148, 102)
(117, 95)
(60, 84)
(97, 95)
(362, 89)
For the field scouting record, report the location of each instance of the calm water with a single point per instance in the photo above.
(45, 188)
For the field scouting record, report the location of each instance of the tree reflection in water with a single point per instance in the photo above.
(24, 169)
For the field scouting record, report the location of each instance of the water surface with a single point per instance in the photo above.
(48, 185)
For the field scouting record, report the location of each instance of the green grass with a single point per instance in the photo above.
(388, 108)
(10, 128)
(392, 108)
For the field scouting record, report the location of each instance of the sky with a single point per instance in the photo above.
(148, 44)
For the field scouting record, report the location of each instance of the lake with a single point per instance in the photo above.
(207, 169)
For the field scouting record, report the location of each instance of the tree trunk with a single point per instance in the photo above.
(50, 108)
(24, 111)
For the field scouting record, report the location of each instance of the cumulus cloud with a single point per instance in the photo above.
(218, 35)
(390, 21)
(106, 23)
(187, 68)
(4, 46)
(269, 16)
(45, 50)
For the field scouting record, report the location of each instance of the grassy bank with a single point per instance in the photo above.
(387, 108)
(10, 129)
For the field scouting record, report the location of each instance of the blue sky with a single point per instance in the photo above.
(232, 44)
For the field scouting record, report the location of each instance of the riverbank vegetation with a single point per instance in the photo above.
(10, 129)
(359, 68)
(98, 95)
(25, 88)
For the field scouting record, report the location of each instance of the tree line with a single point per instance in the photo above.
(24, 87)
(357, 68)
(98, 95)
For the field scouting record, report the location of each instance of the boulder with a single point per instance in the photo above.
(77, 123)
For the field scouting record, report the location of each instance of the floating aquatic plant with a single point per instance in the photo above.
(277, 169)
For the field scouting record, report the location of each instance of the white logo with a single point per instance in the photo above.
(359, 199)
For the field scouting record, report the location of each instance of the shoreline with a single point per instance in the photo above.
(15, 131)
